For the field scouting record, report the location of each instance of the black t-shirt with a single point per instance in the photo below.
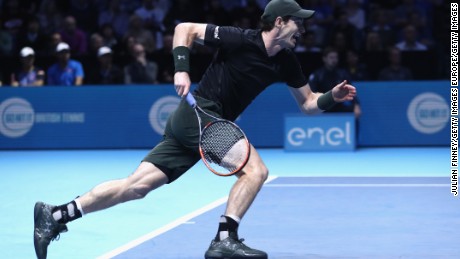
(241, 69)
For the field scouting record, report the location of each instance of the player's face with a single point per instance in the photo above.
(292, 31)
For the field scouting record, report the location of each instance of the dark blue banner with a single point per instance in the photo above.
(404, 113)
(84, 117)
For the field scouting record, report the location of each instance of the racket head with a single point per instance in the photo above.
(224, 148)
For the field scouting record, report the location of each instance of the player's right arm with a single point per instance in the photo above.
(185, 34)
(312, 103)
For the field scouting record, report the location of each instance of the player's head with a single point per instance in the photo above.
(284, 9)
(287, 18)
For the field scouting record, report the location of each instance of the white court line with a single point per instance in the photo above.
(360, 185)
(183, 220)
(163, 229)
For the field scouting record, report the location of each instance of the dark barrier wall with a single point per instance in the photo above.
(394, 114)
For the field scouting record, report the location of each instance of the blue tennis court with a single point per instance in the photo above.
(371, 203)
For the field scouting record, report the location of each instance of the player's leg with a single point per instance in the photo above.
(250, 180)
(163, 164)
(50, 221)
(146, 178)
(249, 183)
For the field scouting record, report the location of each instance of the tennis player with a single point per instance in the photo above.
(246, 62)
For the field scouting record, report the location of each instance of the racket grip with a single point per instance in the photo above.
(190, 100)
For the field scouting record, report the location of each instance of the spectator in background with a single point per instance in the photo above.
(66, 71)
(319, 32)
(229, 5)
(242, 22)
(129, 6)
(75, 37)
(109, 37)
(106, 73)
(113, 15)
(215, 13)
(410, 42)
(164, 60)
(395, 71)
(140, 34)
(326, 77)
(96, 41)
(324, 12)
(6, 41)
(307, 43)
(340, 43)
(140, 70)
(351, 34)
(356, 68)
(405, 9)
(248, 15)
(29, 75)
(382, 26)
(153, 17)
(373, 42)
(86, 13)
(50, 17)
(423, 31)
(374, 54)
(32, 37)
(355, 14)
(53, 40)
(13, 16)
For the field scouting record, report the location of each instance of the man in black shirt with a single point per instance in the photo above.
(246, 62)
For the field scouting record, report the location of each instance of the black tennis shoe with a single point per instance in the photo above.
(46, 229)
(232, 248)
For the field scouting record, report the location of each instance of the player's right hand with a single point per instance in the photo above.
(182, 83)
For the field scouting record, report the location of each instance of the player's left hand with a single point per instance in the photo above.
(343, 92)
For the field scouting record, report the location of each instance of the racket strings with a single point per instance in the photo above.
(224, 146)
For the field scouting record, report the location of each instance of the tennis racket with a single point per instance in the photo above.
(223, 146)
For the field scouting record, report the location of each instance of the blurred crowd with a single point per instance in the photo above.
(74, 42)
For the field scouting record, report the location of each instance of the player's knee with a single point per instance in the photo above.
(261, 174)
(265, 174)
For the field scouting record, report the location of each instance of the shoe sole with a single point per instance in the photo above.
(233, 257)
(217, 255)
(37, 214)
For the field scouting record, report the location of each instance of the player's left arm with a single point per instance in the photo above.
(312, 103)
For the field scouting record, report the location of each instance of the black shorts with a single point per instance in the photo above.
(178, 150)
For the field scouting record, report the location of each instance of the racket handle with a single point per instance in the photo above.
(190, 100)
